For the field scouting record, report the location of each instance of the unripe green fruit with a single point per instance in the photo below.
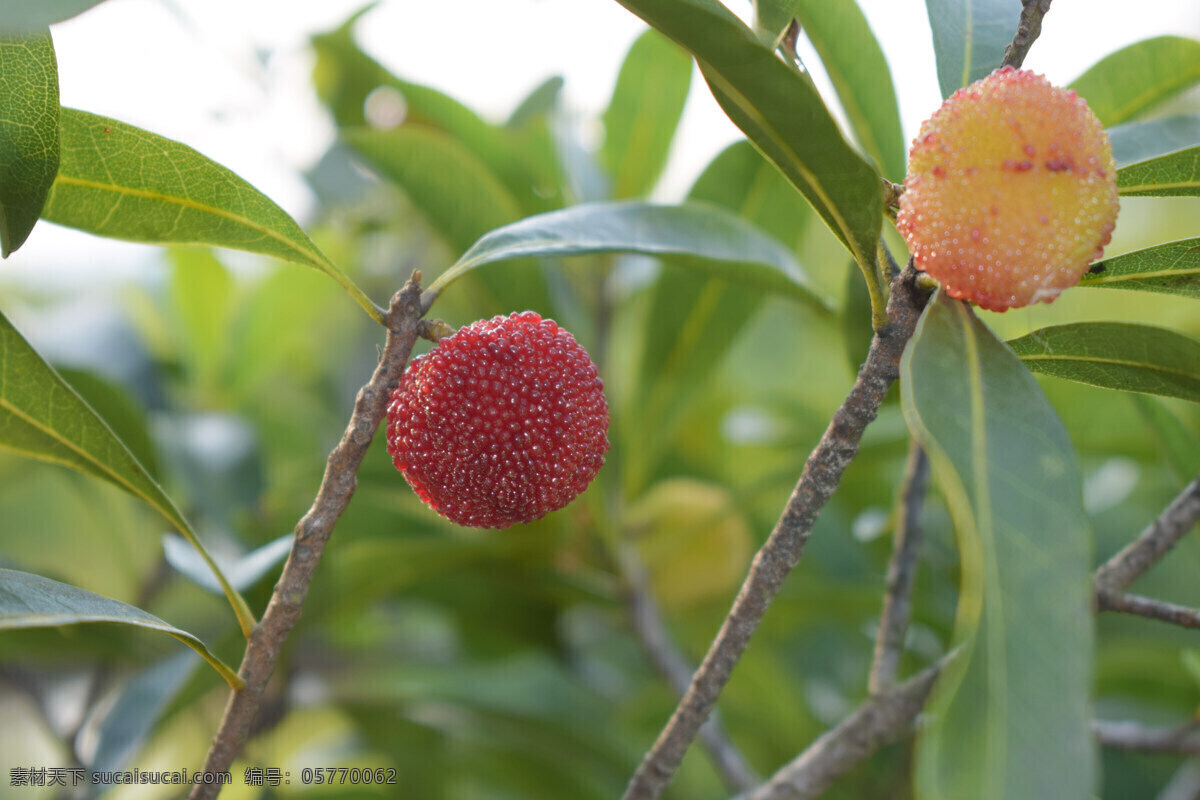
(1011, 191)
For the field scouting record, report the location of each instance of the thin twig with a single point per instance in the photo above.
(652, 632)
(897, 603)
(880, 720)
(1181, 739)
(1160, 536)
(312, 532)
(1112, 600)
(1028, 30)
(785, 545)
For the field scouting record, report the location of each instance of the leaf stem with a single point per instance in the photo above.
(785, 546)
(312, 533)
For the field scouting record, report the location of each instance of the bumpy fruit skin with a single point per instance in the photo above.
(1011, 191)
(503, 422)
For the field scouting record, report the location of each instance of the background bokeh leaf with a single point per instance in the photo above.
(119, 181)
(30, 16)
(1116, 355)
(643, 113)
(1145, 140)
(29, 147)
(460, 195)
(969, 37)
(1126, 84)
(31, 601)
(1013, 707)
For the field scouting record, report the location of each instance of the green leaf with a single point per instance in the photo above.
(42, 417)
(459, 194)
(1131, 81)
(31, 601)
(1012, 709)
(643, 114)
(1142, 141)
(1171, 268)
(139, 704)
(122, 182)
(859, 71)
(1116, 355)
(1171, 175)
(31, 16)
(772, 18)
(542, 100)
(969, 37)
(708, 238)
(780, 111)
(345, 77)
(1179, 445)
(29, 149)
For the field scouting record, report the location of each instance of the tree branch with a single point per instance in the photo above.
(902, 569)
(1159, 537)
(1028, 30)
(652, 632)
(1112, 600)
(784, 547)
(312, 532)
(880, 720)
(1179, 739)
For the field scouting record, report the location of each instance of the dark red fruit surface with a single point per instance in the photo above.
(503, 422)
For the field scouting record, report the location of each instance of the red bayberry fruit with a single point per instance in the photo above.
(1011, 191)
(503, 422)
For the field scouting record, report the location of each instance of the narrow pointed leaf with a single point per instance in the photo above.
(641, 118)
(1174, 174)
(781, 112)
(1116, 355)
(139, 704)
(969, 37)
(859, 71)
(122, 182)
(242, 572)
(1133, 80)
(542, 100)
(42, 417)
(29, 147)
(458, 193)
(704, 237)
(31, 16)
(1172, 268)
(31, 601)
(1143, 141)
(1013, 709)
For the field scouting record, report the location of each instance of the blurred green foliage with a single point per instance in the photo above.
(489, 666)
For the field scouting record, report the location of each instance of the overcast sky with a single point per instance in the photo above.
(232, 77)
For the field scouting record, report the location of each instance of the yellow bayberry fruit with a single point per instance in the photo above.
(1011, 191)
